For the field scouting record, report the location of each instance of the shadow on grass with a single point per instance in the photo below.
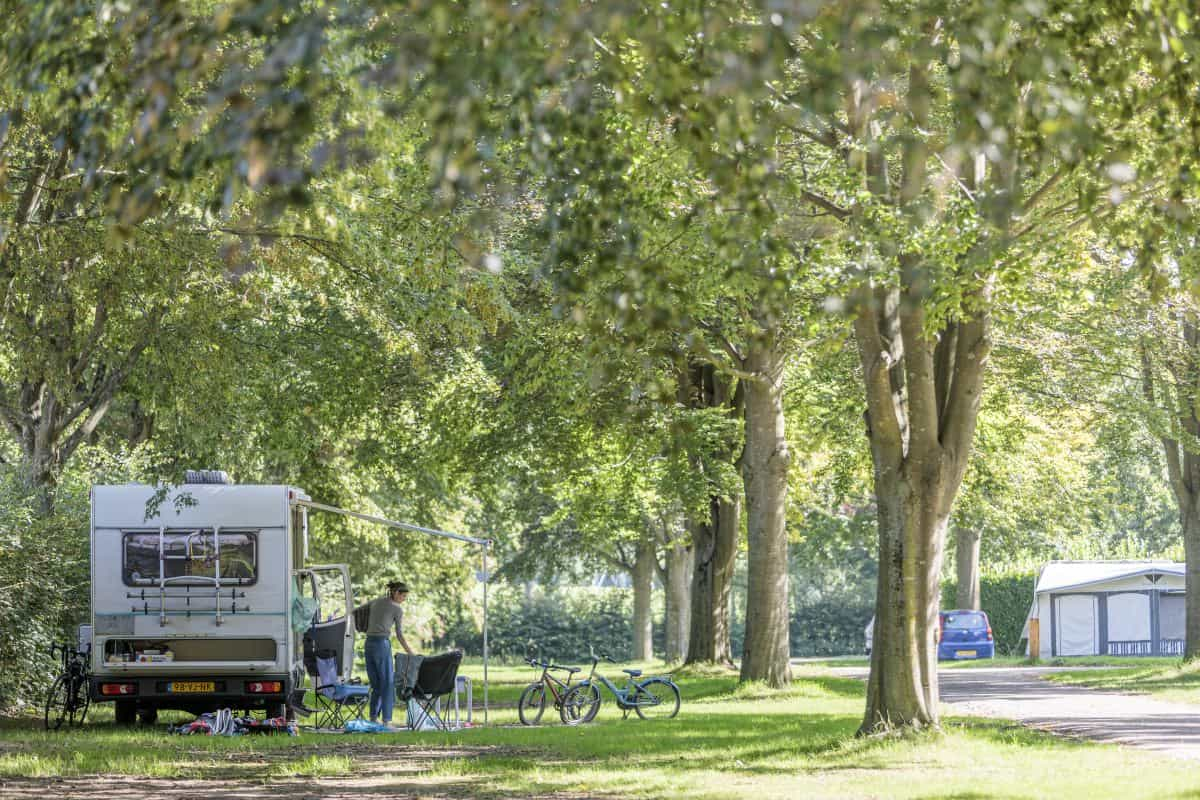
(1152, 678)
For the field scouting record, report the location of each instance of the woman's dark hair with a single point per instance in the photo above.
(397, 586)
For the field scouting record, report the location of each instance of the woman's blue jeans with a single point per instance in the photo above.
(380, 672)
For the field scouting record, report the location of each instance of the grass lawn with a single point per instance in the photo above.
(1164, 678)
(728, 742)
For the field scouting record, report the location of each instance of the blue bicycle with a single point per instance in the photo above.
(655, 697)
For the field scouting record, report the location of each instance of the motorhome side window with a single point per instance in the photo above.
(190, 553)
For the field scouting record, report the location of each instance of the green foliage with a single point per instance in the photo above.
(44, 589)
(1006, 597)
(560, 625)
(830, 627)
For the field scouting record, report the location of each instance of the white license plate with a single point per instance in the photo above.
(965, 653)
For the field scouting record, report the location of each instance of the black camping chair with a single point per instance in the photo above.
(435, 679)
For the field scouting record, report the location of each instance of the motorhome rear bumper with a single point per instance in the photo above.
(191, 692)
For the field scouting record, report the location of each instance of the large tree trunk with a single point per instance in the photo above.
(765, 654)
(1183, 464)
(715, 535)
(966, 565)
(643, 587)
(714, 550)
(903, 680)
(1191, 554)
(677, 580)
(923, 391)
(923, 379)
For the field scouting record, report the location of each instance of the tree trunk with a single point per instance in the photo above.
(1183, 465)
(923, 390)
(678, 582)
(643, 586)
(714, 551)
(1191, 551)
(765, 654)
(966, 564)
(903, 681)
(715, 536)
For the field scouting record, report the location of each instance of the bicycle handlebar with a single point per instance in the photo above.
(546, 665)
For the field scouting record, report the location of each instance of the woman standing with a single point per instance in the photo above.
(387, 613)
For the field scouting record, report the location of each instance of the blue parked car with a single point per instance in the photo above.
(965, 634)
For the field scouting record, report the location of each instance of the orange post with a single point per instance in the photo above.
(1035, 640)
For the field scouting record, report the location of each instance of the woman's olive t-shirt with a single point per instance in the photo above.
(384, 615)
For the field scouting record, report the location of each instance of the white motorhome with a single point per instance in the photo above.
(202, 598)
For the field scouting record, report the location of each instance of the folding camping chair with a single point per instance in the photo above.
(337, 702)
(435, 680)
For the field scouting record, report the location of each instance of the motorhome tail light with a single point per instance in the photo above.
(264, 687)
(117, 689)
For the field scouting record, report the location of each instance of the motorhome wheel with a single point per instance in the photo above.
(125, 712)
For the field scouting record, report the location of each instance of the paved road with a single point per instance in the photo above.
(1019, 693)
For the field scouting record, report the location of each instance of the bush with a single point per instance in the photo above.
(829, 628)
(43, 584)
(1006, 598)
(44, 580)
(559, 625)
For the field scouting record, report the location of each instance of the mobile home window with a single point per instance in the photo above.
(190, 553)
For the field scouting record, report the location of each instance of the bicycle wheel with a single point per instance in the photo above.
(532, 704)
(57, 703)
(580, 704)
(80, 701)
(656, 699)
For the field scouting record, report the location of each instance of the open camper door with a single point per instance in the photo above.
(333, 627)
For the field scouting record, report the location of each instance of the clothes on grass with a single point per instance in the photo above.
(223, 723)
(363, 726)
(384, 615)
(378, 654)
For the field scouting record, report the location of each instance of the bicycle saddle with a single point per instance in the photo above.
(633, 673)
(573, 670)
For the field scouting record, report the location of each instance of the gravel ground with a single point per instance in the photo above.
(1020, 694)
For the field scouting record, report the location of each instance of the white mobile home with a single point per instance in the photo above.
(202, 597)
(1116, 608)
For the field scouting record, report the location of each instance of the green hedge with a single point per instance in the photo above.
(1006, 598)
(560, 625)
(834, 627)
(830, 629)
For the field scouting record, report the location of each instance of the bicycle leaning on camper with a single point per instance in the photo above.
(67, 700)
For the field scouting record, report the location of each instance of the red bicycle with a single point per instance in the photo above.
(532, 704)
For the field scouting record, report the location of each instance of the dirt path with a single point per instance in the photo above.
(379, 773)
(1019, 693)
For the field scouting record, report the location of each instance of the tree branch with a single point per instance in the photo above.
(919, 376)
(1045, 189)
(884, 423)
(1170, 445)
(825, 203)
(966, 388)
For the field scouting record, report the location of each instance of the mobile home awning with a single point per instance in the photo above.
(483, 544)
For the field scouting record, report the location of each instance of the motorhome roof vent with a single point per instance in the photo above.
(207, 476)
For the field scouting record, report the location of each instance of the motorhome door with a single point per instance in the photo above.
(333, 628)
